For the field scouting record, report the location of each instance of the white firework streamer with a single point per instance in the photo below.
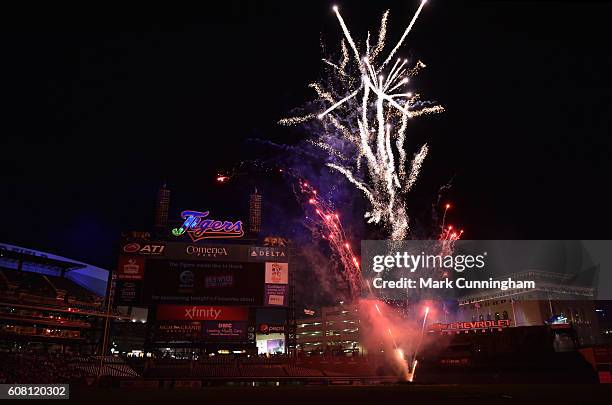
(296, 120)
(417, 162)
(367, 105)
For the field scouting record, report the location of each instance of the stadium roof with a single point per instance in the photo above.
(90, 277)
(34, 257)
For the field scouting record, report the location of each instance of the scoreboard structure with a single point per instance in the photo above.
(210, 297)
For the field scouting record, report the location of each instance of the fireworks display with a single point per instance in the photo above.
(359, 125)
(328, 222)
(366, 108)
(448, 235)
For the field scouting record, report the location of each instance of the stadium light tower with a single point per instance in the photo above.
(255, 212)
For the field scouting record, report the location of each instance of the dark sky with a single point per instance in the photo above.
(101, 105)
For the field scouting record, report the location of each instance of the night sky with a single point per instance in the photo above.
(102, 105)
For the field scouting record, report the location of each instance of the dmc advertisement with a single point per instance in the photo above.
(224, 330)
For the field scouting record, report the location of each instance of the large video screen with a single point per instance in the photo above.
(208, 283)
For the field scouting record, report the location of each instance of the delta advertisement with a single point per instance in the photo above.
(268, 253)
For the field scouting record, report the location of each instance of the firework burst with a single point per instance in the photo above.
(365, 106)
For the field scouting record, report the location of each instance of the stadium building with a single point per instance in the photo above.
(49, 303)
(558, 301)
(334, 331)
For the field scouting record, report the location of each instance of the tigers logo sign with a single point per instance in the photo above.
(198, 226)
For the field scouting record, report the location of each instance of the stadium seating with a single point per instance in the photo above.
(58, 368)
(29, 283)
(71, 290)
(296, 371)
(253, 366)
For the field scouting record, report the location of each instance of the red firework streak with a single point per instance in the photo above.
(328, 221)
(448, 235)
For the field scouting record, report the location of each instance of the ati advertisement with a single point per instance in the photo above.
(144, 248)
(212, 283)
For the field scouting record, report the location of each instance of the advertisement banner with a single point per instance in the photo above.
(267, 253)
(275, 295)
(277, 273)
(177, 331)
(144, 248)
(130, 268)
(217, 253)
(224, 330)
(167, 312)
(128, 292)
(205, 252)
(267, 328)
(497, 324)
(219, 281)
